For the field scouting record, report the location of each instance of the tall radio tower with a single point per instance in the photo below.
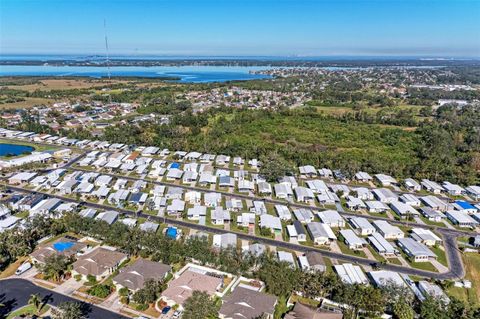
(106, 48)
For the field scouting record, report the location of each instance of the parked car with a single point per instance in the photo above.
(176, 314)
(166, 310)
(23, 268)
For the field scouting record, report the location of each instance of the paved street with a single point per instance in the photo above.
(14, 294)
(291, 204)
(449, 238)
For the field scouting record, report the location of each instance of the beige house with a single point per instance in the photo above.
(134, 276)
(100, 262)
(182, 287)
(247, 303)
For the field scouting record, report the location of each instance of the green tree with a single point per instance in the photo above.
(54, 267)
(100, 291)
(36, 301)
(279, 277)
(200, 306)
(403, 310)
(150, 292)
(275, 166)
(68, 310)
(433, 308)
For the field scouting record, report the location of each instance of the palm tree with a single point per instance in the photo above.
(36, 301)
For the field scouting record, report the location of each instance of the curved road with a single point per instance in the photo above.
(14, 294)
(444, 230)
(454, 260)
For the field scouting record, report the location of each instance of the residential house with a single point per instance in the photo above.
(321, 234)
(100, 263)
(247, 303)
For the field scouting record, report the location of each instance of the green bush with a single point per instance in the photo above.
(123, 292)
(100, 291)
(91, 279)
(141, 307)
(78, 277)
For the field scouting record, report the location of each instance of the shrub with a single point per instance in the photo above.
(141, 307)
(124, 300)
(91, 279)
(123, 292)
(78, 277)
(100, 291)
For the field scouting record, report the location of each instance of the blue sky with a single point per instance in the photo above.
(248, 27)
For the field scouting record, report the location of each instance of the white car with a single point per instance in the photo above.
(23, 268)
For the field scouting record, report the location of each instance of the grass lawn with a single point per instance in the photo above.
(394, 261)
(23, 214)
(348, 251)
(471, 262)
(421, 265)
(10, 270)
(377, 256)
(27, 310)
(424, 266)
(441, 257)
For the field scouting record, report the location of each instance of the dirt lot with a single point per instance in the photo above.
(64, 84)
(29, 102)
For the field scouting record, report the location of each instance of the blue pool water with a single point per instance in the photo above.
(63, 245)
(175, 165)
(14, 150)
(186, 74)
(172, 232)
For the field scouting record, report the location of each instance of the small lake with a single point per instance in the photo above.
(14, 149)
(186, 74)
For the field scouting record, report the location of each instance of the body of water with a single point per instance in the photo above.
(14, 150)
(187, 74)
(63, 245)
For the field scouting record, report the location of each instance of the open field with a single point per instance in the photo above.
(471, 262)
(29, 102)
(10, 270)
(47, 84)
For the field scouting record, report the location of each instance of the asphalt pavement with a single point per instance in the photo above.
(455, 262)
(15, 293)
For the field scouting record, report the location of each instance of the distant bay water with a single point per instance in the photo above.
(186, 74)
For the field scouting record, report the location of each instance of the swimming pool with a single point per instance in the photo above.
(63, 245)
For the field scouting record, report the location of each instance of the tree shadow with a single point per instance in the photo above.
(7, 305)
(85, 308)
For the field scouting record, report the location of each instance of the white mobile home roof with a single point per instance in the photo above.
(283, 212)
(331, 217)
(403, 209)
(385, 277)
(387, 229)
(286, 256)
(460, 217)
(434, 202)
(361, 223)
(303, 214)
(319, 230)
(415, 248)
(421, 234)
(381, 244)
(351, 274)
(351, 238)
(109, 216)
(270, 221)
(317, 185)
(411, 183)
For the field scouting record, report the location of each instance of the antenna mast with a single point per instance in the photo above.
(106, 48)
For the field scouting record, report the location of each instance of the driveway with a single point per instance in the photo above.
(69, 286)
(14, 294)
